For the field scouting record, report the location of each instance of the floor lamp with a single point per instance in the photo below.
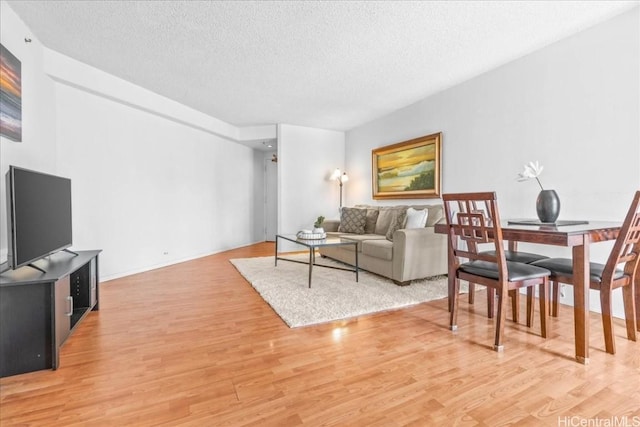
(341, 178)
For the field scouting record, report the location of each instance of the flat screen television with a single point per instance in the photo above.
(38, 215)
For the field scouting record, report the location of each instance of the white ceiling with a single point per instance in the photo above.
(326, 64)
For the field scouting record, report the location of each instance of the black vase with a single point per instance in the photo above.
(548, 206)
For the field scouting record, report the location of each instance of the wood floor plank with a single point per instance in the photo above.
(193, 344)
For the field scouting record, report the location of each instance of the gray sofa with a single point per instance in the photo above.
(386, 248)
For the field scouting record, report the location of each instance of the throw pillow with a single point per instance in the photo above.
(436, 213)
(397, 223)
(385, 216)
(352, 220)
(416, 218)
(372, 218)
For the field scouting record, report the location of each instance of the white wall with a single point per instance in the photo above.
(146, 190)
(574, 106)
(154, 182)
(38, 147)
(306, 159)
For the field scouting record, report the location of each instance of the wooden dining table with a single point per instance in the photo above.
(579, 238)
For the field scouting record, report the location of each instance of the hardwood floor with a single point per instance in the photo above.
(193, 344)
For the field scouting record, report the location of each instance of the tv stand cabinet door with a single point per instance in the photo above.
(63, 308)
(25, 328)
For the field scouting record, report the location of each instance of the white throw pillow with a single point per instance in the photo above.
(415, 218)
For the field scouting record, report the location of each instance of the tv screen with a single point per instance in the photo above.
(39, 215)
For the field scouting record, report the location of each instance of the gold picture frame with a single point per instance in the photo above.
(408, 170)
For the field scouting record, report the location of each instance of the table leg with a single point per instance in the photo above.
(310, 265)
(581, 300)
(515, 294)
(276, 256)
(356, 252)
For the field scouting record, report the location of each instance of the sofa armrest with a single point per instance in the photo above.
(331, 225)
(418, 253)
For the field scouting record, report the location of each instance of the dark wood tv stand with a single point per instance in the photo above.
(38, 311)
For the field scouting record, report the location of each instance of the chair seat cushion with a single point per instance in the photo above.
(564, 267)
(517, 271)
(517, 256)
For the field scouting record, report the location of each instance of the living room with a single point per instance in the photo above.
(528, 109)
(524, 110)
(159, 183)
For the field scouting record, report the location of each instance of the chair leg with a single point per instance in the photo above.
(451, 295)
(472, 292)
(529, 306)
(515, 305)
(453, 319)
(607, 320)
(491, 302)
(554, 297)
(637, 292)
(629, 311)
(500, 320)
(543, 296)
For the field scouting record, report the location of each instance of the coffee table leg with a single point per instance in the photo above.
(356, 252)
(310, 265)
(276, 256)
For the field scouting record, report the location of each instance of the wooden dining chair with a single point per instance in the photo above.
(510, 255)
(620, 271)
(474, 219)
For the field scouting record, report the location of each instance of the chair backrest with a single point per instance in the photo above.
(627, 246)
(474, 219)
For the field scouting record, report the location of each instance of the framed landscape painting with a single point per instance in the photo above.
(407, 170)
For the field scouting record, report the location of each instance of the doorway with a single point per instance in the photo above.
(270, 197)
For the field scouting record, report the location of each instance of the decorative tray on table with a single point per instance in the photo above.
(310, 235)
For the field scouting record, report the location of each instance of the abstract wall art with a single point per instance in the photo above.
(10, 96)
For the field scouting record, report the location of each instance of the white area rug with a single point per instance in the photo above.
(334, 294)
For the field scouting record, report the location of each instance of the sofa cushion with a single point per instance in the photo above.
(352, 220)
(396, 223)
(360, 238)
(381, 248)
(416, 218)
(385, 217)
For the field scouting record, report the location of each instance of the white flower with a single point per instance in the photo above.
(531, 170)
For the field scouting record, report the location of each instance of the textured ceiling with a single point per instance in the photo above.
(326, 64)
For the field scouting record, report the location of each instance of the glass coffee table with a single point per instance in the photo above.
(312, 244)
